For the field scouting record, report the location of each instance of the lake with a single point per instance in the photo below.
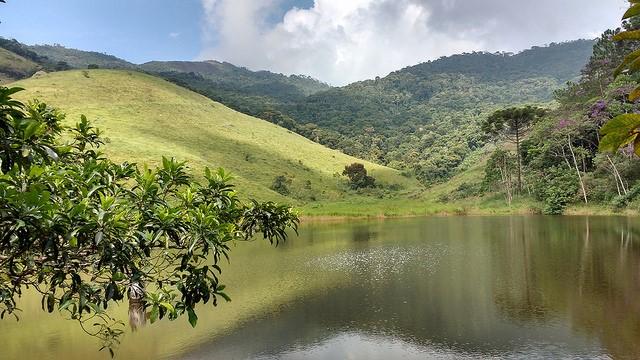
(442, 288)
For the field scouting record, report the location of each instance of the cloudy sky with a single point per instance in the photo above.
(337, 41)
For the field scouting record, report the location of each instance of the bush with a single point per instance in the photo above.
(358, 177)
(620, 202)
(557, 189)
(93, 66)
(281, 185)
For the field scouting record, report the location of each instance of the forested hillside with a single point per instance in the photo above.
(426, 118)
(250, 92)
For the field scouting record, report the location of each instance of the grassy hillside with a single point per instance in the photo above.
(79, 58)
(146, 117)
(14, 66)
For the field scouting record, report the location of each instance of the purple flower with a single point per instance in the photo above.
(563, 124)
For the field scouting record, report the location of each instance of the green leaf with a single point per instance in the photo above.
(168, 307)
(66, 304)
(627, 35)
(193, 318)
(224, 296)
(619, 131)
(634, 10)
(634, 95)
(153, 315)
(627, 60)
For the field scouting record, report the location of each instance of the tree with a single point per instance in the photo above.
(93, 66)
(358, 177)
(512, 124)
(281, 185)
(499, 173)
(85, 232)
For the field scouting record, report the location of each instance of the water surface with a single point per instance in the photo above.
(442, 288)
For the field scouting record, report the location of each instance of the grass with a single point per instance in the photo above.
(146, 118)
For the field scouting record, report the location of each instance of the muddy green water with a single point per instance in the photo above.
(430, 288)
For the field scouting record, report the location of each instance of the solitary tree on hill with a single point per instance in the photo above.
(358, 177)
(512, 124)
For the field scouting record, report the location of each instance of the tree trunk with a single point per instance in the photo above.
(616, 174)
(519, 161)
(575, 162)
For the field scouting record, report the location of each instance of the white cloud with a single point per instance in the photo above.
(340, 41)
(174, 35)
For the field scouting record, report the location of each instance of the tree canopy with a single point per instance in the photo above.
(85, 232)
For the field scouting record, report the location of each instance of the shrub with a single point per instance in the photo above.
(358, 177)
(281, 185)
(557, 189)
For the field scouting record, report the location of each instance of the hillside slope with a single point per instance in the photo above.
(14, 66)
(79, 58)
(146, 117)
(251, 92)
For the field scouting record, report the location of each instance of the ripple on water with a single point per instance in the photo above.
(382, 261)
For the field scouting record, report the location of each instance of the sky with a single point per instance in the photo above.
(336, 41)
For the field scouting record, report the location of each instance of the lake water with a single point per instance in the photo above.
(442, 288)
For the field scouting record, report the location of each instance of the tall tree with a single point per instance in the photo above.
(85, 232)
(512, 124)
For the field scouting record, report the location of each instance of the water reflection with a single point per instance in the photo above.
(512, 287)
(460, 287)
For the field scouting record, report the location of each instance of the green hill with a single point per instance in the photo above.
(146, 117)
(79, 59)
(14, 66)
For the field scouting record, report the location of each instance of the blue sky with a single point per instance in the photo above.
(137, 30)
(337, 41)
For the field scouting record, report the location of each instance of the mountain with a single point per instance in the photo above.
(425, 117)
(250, 92)
(146, 118)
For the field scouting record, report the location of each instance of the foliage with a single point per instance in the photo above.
(499, 173)
(84, 231)
(512, 124)
(623, 129)
(358, 177)
(557, 189)
(281, 185)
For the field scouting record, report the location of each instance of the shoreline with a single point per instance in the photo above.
(571, 211)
